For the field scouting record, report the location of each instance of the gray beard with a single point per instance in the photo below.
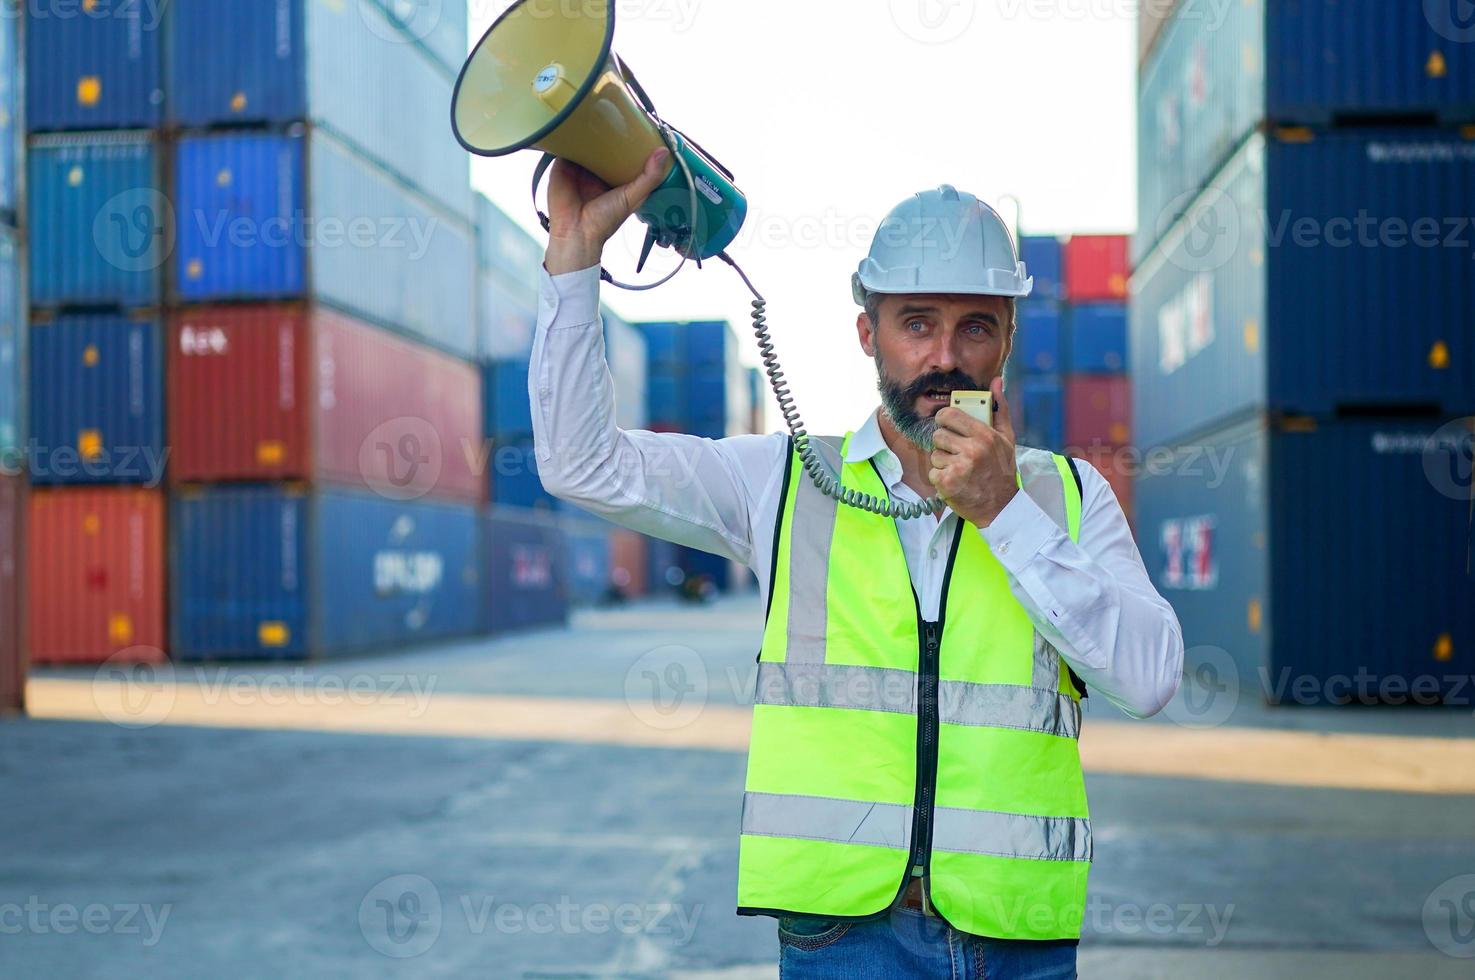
(914, 428)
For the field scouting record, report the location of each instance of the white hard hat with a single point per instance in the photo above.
(942, 241)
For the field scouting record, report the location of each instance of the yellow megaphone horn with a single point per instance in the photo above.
(545, 76)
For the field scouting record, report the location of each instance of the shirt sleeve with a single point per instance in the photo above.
(695, 492)
(1093, 600)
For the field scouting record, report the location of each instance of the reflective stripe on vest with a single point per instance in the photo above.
(833, 796)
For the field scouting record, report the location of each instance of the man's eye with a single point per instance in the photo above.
(917, 325)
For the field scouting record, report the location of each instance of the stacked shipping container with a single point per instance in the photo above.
(1301, 310)
(1068, 382)
(13, 476)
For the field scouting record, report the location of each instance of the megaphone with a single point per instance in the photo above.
(545, 76)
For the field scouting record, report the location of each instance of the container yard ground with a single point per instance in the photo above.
(559, 823)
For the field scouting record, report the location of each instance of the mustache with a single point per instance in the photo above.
(950, 380)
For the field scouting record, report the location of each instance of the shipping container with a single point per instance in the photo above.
(11, 134)
(695, 381)
(665, 347)
(1098, 411)
(509, 411)
(94, 66)
(95, 575)
(96, 400)
(298, 392)
(12, 348)
(1263, 558)
(1119, 465)
(1151, 15)
(1354, 296)
(758, 393)
(624, 351)
(13, 656)
(629, 563)
(1042, 258)
(666, 575)
(1038, 404)
(588, 559)
(102, 230)
(524, 582)
(505, 317)
(347, 67)
(441, 27)
(1098, 338)
(514, 475)
(280, 572)
(1217, 74)
(1096, 268)
(503, 246)
(1039, 346)
(249, 221)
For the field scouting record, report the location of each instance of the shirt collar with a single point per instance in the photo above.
(867, 443)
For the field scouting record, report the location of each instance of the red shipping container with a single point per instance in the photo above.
(271, 392)
(12, 622)
(630, 562)
(1096, 268)
(95, 584)
(1098, 411)
(1116, 464)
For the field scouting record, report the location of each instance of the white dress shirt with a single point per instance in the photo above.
(1092, 600)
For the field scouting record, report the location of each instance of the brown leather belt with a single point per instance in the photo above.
(914, 896)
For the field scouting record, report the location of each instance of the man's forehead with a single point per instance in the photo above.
(951, 302)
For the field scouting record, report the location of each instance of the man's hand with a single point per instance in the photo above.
(973, 465)
(584, 213)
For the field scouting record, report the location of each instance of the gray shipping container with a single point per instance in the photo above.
(1325, 562)
(1326, 274)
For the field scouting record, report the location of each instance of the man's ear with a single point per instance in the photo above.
(867, 333)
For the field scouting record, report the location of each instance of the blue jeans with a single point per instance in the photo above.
(910, 944)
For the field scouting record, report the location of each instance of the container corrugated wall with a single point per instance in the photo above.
(1098, 338)
(1308, 313)
(97, 400)
(624, 348)
(1039, 346)
(441, 27)
(377, 250)
(12, 346)
(1096, 268)
(588, 560)
(1098, 411)
(506, 318)
(292, 392)
(104, 233)
(1042, 257)
(10, 121)
(524, 585)
(13, 656)
(94, 66)
(1293, 581)
(505, 247)
(96, 587)
(1039, 406)
(629, 563)
(277, 572)
(344, 66)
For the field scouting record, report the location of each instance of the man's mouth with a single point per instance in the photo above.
(937, 397)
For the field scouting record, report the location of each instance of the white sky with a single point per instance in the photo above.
(831, 112)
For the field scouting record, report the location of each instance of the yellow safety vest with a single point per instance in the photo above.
(882, 742)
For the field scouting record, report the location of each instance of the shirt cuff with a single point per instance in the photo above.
(1019, 532)
(572, 297)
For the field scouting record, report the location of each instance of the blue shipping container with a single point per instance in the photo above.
(101, 230)
(12, 350)
(97, 400)
(514, 475)
(1038, 339)
(506, 318)
(504, 387)
(504, 246)
(1212, 79)
(94, 66)
(1288, 584)
(665, 346)
(10, 155)
(524, 580)
(1042, 257)
(441, 27)
(249, 222)
(1039, 405)
(1098, 338)
(1355, 295)
(624, 351)
(346, 67)
(588, 560)
(276, 572)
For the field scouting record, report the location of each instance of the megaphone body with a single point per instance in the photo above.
(545, 77)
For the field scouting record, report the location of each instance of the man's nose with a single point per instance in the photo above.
(944, 353)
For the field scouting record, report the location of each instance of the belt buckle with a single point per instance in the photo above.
(914, 896)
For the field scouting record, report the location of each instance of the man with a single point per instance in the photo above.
(914, 802)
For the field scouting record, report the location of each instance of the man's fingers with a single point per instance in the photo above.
(1003, 416)
(642, 187)
(945, 440)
